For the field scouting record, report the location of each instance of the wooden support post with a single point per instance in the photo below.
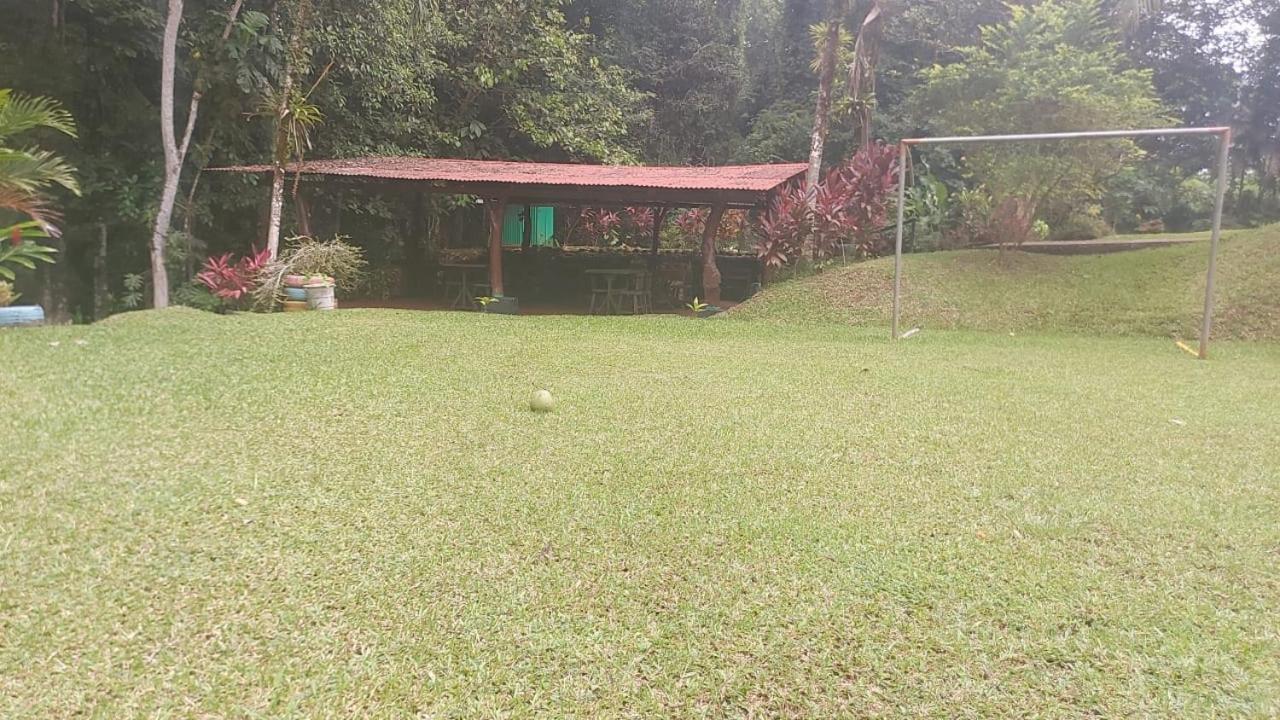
(710, 271)
(659, 216)
(527, 240)
(497, 211)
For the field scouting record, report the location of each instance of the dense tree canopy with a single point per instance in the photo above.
(658, 81)
(1052, 67)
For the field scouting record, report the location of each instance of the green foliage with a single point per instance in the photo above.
(7, 295)
(192, 294)
(696, 306)
(17, 250)
(1081, 226)
(28, 174)
(928, 204)
(134, 284)
(1052, 67)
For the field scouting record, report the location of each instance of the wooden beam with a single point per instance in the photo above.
(497, 210)
(659, 215)
(527, 240)
(542, 194)
(710, 271)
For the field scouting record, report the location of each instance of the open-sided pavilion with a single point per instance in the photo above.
(503, 183)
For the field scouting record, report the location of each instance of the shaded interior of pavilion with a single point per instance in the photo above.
(517, 236)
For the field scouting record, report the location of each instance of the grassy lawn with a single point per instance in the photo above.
(352, 513)
(1156, 292)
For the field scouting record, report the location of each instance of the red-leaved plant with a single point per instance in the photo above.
(692, 223)
(850, 206)
(232, 281)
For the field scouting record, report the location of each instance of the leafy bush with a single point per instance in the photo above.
(784, 229)
(1152, 226)
(196, 295)
(1081, 227)
(303, 255)
(850, 205)
(20, 251)
(973, 219)
(7, 295)
(233, 281)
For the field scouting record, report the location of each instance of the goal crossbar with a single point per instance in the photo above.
(1224, 148)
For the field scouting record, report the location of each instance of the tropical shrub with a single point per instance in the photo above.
(7, 295)
(692, 222)
(784, 229)
(28, 174)
(1081, 226)
(850, 206)
(233, 280)
(196, 295)
(21, 251)
(865, 188)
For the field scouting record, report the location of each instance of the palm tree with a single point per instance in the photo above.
(28, 174)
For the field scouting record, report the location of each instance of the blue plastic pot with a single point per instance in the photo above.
(21, 315)
(295, 293)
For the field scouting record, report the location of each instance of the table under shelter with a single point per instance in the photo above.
(503, 184)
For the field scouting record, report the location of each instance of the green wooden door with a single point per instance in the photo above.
(513, 226)
(544, 225)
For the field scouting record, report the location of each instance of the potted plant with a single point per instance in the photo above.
(293, 288)
(306, 262)
(319, 290)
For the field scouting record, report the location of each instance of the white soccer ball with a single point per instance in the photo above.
(542, 401)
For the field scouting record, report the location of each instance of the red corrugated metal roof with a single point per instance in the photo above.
(745, 178)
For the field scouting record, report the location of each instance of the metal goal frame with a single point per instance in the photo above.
(1224, 149)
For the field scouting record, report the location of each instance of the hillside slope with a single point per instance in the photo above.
(1147, 292)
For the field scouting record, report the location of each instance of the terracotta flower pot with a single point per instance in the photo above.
(295, 281)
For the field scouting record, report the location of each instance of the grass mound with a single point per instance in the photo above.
(354, 513)
(1157, 292)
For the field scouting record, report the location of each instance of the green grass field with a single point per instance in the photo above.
(1157, 292)
(353, 514)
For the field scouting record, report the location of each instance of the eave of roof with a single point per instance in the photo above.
(734, 184)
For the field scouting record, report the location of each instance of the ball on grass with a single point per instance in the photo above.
(542, 401)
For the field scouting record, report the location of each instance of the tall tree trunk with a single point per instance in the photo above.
(101, 289)
(172, 162)
(280, 148)
(710, 270)
(174, 153)
(822, 113)
(861, 87)
(280, 154)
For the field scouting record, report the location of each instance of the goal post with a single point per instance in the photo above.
(1224, 149)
